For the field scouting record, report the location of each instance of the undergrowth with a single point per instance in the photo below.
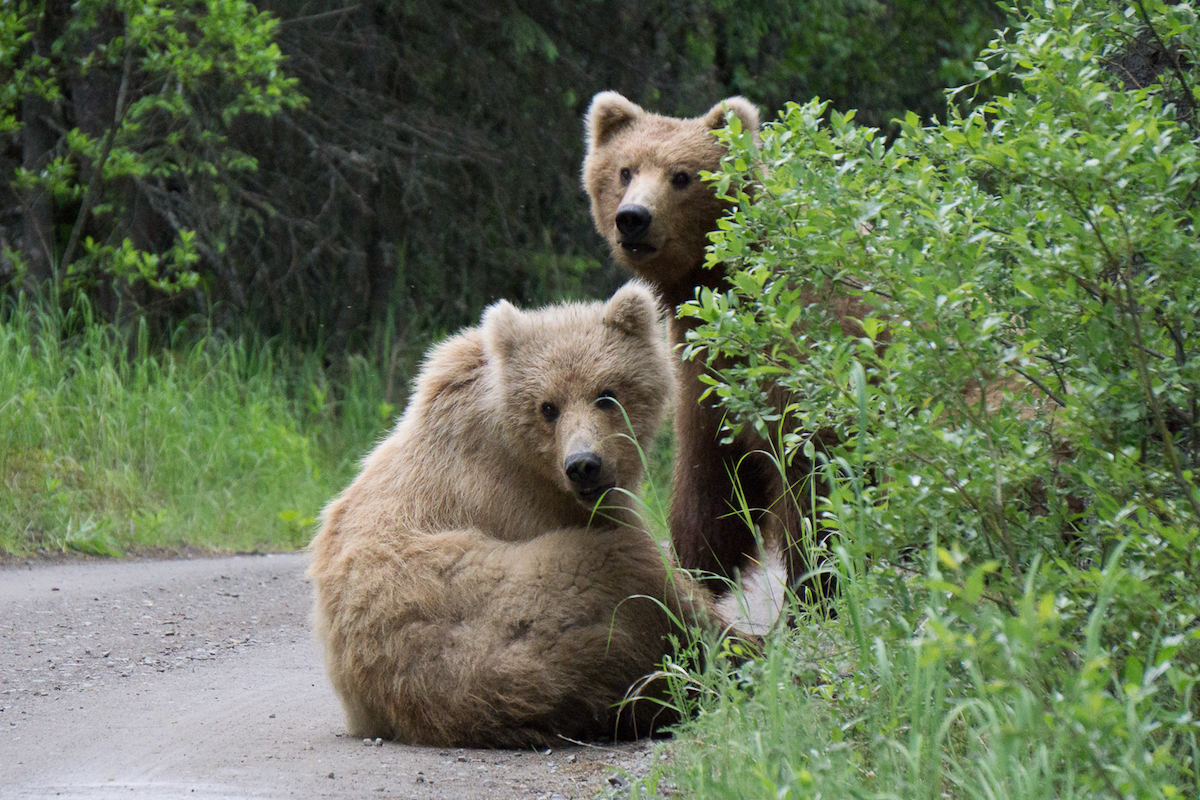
(109, 444)
(1013, 509)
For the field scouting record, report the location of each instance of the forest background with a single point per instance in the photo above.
(336, 167)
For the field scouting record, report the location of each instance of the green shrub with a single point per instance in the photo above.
(114, 105)
(1016, 489)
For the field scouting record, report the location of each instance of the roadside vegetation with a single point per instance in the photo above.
(1020, 615)
(109, 447)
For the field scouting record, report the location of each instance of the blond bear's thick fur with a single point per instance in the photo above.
(485, 580)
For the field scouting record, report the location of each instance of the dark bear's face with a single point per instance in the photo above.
(584, 388)
(642, 174)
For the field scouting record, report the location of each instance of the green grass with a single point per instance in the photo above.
(973, 701)
(108, 446)
(930, 682)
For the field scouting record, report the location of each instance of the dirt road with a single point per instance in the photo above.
(198, 678)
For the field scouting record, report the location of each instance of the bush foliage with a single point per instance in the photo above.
(122, 107)
(1015, 491)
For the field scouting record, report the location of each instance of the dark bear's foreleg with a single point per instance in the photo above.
(713, 518)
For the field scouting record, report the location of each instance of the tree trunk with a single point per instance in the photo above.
(38, 139)
(37, 226)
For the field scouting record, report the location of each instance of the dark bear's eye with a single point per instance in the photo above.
(607, 401)
(626, 175)
(549, 412)
(680, 180)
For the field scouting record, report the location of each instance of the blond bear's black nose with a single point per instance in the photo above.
(583, 468)
(633, 220)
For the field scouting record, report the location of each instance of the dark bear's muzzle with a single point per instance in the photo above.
(633, 220)
(633, 223)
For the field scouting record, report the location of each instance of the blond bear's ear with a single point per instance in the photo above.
(634, 311)
(746, 111)
(501, 326)
(608, 113)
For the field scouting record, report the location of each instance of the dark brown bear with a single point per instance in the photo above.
(642, 174)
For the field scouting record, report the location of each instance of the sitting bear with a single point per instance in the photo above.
(486, 580)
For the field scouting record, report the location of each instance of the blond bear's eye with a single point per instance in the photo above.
(680, 180)
(607, 401)
(549, 412)
(626, 175)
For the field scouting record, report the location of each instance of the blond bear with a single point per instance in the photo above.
(485, 581)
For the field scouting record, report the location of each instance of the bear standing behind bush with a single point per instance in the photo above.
(642, 174)
(469, 591)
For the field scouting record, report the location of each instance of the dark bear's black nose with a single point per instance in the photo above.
(583, 468)
(633, 220)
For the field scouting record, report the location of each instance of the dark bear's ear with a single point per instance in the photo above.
(501, 327)
(633, 310)
(746, 111)
(608, 113)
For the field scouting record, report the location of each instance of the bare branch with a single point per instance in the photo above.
(95, 184)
